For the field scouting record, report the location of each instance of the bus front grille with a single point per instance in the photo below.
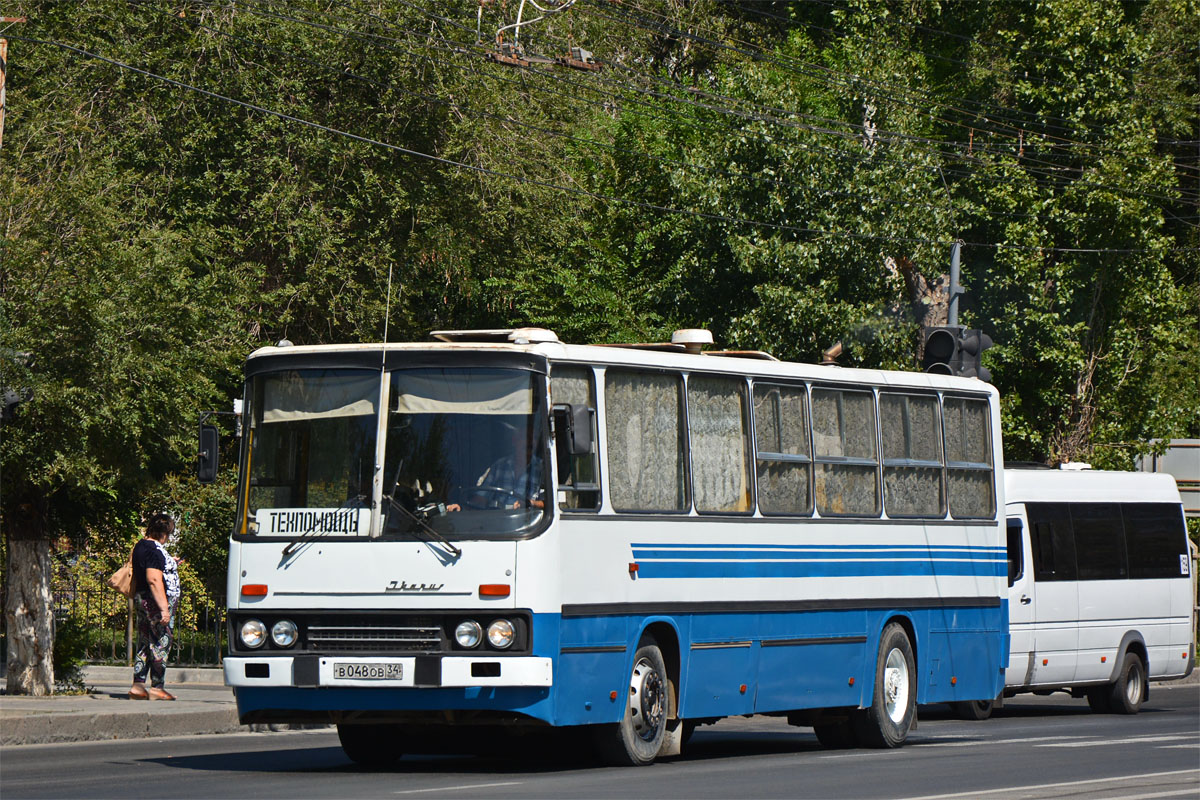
(374, 638)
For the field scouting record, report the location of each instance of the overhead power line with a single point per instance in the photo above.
(557, 187)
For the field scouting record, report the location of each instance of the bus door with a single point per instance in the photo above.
(1020, 603)
(1055, 598)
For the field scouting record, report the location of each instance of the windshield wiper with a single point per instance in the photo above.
(419, 516)
(303, 535)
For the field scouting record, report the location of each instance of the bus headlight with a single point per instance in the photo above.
(254, 633)
(283, 633)
(500, 634)
(468, 633)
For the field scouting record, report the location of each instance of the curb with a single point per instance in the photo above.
(59, 728)
(175, 675)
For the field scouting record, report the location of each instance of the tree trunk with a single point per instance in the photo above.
(28, 610)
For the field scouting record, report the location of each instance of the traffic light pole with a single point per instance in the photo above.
(955, 288)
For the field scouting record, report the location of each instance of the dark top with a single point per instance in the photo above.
(147, 554)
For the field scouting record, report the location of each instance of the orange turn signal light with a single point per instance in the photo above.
(494, 590)
(254, 590)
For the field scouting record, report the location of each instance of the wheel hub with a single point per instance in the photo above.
(647, 700)
(895, 686)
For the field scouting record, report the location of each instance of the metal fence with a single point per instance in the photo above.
(110, 632)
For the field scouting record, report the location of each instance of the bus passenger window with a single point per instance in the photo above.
(784, 461)
(1016, 565)
(847, 480)
(912, 456)
(580, 489)
(1099, 541)
(720, 446)
(1052, 541)
(969, 477)
(1156, 539)
(645, 440)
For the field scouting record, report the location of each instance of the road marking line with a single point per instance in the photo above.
(460, 788)
(1041, 787)
(1130, 740)
(1188, 792)
(975, 742)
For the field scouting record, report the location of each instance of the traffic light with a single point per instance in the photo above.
(955, 350)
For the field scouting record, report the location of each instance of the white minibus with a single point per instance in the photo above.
(1100, 589)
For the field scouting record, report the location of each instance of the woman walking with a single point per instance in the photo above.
(156, 594)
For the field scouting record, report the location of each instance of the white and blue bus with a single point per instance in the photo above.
(500, 531)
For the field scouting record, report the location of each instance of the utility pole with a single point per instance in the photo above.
(4, 71)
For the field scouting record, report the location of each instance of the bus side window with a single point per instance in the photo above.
(1052, 541)
(1016, 561)
(579, 488)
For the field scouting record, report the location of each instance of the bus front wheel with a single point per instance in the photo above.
(886, 722)
(637, 738)
(370, 745)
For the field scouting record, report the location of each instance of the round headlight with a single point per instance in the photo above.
(500, 634)
(283, 633)
(468, 633)
(254, 633)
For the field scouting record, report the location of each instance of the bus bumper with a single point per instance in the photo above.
(310, 671)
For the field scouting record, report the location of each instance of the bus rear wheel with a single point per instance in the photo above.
(886, 722)
(1128, 691)
(370, 745)
(637, 738)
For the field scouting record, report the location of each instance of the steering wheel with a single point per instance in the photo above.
(493, 496)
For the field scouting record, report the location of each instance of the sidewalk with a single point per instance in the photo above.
(204, 705)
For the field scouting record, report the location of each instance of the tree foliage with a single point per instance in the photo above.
(184, 181)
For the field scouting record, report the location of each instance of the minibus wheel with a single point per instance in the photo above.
(370, 745)
(974, 710)
(1129, 689)
(886, 722)
(637, 738)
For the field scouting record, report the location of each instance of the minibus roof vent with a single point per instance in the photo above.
(498, 335)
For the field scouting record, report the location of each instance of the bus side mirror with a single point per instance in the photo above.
(573, 428)
(209, 460)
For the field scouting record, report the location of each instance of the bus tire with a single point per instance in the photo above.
(1099, 698)
(886, 722)
(637, 738)
(836, 735)
(974, 710)
(369, 745)
(1128, 691)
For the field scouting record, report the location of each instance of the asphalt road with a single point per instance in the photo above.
(1033, 748)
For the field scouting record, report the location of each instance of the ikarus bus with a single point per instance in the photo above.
(498, 531)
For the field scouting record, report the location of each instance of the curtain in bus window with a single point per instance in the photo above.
(292, 396)
(467, 394)
(1099, 541)
(719, 443)
(574, 385)
(781, 437)
(645, 441)
(844, 447)
(1156, 540)
(912, 457)
(969, 478)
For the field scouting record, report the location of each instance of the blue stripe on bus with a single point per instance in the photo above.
(819, 555)
(817, 569)
(864, 548)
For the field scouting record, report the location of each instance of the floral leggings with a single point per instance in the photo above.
(154, 639)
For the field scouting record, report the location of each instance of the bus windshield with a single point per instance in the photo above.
(465, 452)
(310, 452)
